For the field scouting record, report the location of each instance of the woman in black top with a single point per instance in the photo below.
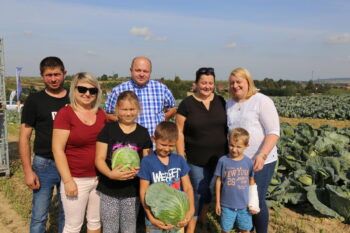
(201, 120)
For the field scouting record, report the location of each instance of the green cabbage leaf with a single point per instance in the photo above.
(167, 204)
(125, 156)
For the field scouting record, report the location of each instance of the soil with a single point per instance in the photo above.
(286, 220)
(316, 123)
(10, 221)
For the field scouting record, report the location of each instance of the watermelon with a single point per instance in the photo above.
(125, 156)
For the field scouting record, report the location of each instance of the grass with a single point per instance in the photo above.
(13, 131)
(285, 225)
(20, 196)
(14, 188)
(283, 220)
(15, 191)
(338, 91)
(25, 82)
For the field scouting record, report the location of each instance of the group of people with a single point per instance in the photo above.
(227, 148)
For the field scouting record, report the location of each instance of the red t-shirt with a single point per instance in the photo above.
(81, 144)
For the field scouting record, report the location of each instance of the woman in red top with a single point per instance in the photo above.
(76, 127)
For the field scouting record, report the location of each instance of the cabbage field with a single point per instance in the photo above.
(314, 167)
(325, 107)
(314, 164)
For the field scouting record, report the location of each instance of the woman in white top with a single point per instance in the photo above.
(257, 114)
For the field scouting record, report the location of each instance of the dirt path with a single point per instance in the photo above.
(316, 123)
(285, 220)
(10, 221)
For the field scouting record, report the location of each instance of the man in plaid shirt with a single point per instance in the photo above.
(156, 100)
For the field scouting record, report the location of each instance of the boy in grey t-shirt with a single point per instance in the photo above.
(235, 185)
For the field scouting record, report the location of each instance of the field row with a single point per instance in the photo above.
(323, 107)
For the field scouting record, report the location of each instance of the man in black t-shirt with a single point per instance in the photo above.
(38, 113)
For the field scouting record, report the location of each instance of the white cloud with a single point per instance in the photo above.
(160, 38)
(91, 52)
(231, 45)
(145, 33)
(339, 39)
(27, 33)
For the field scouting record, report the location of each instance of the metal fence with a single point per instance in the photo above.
(4, 153)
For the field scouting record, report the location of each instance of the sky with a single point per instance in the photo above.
(278, 39)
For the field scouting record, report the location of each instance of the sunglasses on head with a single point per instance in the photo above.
(92, 90)
(206, 70)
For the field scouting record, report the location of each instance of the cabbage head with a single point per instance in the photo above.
(125, 156)
(167, 204)
(305, 179)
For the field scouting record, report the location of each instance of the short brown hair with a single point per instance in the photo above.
(240, 134)
(51, 62)
(166, 130)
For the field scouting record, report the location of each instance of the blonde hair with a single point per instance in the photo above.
(240, 134)
(129, 96)
(85, 78)
(245, 74)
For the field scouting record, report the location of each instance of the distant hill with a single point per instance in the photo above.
(333, 80)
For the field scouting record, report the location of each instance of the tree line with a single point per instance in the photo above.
(181, 88)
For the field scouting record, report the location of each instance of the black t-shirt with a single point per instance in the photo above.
(205, 130)
(39, 112)
(114, 136)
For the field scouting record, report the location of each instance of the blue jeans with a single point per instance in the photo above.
(203, 183)
(262, 180)
(48, 175)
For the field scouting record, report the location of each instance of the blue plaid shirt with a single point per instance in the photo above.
(154, 99)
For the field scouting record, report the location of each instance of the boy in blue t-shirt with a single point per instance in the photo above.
(236, 191)
(164, 166)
